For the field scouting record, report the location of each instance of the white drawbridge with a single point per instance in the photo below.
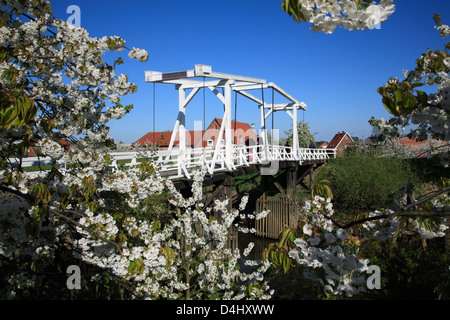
(227, 156)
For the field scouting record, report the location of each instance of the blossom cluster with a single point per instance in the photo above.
(326, 251)
(72, 95)
(427, 114)
(138, 54)
(326, 16)
(330, 254)
(49, 148)
(61, 67)
(157, 264)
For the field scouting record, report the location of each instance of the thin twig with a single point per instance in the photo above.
(402, 212)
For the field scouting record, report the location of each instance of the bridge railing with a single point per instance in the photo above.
(179, 163)
(313, 154)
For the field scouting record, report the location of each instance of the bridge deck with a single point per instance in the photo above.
(176, 164)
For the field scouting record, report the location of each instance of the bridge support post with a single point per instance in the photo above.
(225, 192)
(305, 171)
(228, 191)
(265, 185)
(291, 180)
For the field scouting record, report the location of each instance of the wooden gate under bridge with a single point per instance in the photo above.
(284, 212)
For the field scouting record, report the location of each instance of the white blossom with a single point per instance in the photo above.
(326, 16)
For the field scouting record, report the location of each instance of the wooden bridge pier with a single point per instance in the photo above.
(294, 175)
(283, 210)
(222, 182)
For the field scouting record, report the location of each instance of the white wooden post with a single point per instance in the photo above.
(182, 121)
(263, 131)
(295, 145)
(172, 138)
(227, 123)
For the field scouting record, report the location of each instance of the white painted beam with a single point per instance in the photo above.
(251, 87)
(218, 94)
(189, 97)
(220, 75)
(287, 95)
(190, 84)
(250, 96)
(199, 71)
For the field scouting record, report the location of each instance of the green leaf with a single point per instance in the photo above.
(169, 254)
(437, 19)
(285, 235)
(131, 267)
(136, 266)
(422, 98)
(417, 84)
(389, 106)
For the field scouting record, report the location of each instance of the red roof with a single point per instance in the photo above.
(163, 138)
(192, 137)
(416, 145)
(337, 139)
(241, 127)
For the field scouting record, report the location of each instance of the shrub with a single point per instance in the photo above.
(364, 182)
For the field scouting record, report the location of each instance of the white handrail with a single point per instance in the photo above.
(214, 159)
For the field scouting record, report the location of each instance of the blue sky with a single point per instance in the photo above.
(336, 75)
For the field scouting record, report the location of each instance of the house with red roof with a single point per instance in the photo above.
(240, 132)
(340, 142)
(162, 139)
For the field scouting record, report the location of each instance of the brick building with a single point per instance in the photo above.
(340, 142)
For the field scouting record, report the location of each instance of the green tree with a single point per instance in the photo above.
(305, 137)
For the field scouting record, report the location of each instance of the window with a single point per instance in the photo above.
(210, 143)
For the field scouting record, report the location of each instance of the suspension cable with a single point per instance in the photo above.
(273, 114)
